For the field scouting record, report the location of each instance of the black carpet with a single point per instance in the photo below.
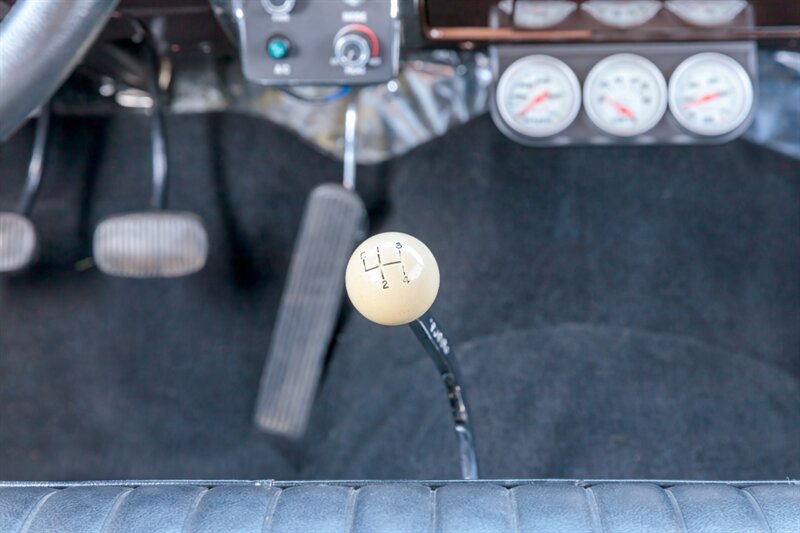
(620, 312)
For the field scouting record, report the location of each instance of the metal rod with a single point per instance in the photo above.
(158, 140)
(350, 129)
(36, 165)
(438, 348)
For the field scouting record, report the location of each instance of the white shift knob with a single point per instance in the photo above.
(392, 279)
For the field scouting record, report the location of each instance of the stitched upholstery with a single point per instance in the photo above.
(418, 507)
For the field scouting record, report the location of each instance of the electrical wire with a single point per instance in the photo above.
(326, 99)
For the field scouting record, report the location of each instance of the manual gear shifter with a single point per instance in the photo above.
(393, 279)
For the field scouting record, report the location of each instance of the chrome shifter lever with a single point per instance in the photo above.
(393, 279)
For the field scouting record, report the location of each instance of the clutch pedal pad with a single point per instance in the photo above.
(155, 244)
(333, 223)
(18, 242)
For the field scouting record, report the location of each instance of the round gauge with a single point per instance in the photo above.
(710, 94)
(622, 13)
(625, 95)
(538, 14)
(707, 13)
(538, 96)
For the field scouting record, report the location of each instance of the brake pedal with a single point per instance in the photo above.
(158, 243)
(19, 243)
(334, 221)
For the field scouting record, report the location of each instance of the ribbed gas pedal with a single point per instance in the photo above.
(18, 242)
(333, 223)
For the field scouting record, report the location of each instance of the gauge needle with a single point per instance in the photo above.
(536, 100)
(702, 100)
(623, 109)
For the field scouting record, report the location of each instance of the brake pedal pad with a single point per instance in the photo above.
(157, 244)
(18, 242)
(334, 221)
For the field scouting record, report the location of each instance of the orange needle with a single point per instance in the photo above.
(536, 100)
(703, 99)
(623, 109)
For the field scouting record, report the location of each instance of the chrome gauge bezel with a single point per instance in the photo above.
(559, 11)
(641, 62)
(595, 8)
(524, 64)
(690, 11)
(739, 72)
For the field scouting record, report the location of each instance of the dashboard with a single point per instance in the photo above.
(608, 20)
(566, 72)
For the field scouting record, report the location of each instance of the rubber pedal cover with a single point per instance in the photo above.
(18, 242)
(333, 223)
(156, 244)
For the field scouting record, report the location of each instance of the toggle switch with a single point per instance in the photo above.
(278, 47)
(278, 7)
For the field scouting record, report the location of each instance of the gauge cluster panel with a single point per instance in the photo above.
(665, 93)
(328, 42)
(626, 14)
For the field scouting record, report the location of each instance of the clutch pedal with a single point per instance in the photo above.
(19, 243)
(157, 243)
(334, 221)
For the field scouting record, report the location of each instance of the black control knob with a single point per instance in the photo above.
(278, 7)
(353, 49)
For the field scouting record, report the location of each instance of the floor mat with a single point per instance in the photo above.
(699, 244)
(107, 378)
(113, 378)
(571, 401)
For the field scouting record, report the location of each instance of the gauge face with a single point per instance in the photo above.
(538, 14)
(538, 96)
(622, 13)
(707, 13)
(625, 95)
(710, 94)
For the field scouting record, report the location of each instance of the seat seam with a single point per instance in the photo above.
(350, 510)
(757, 506)
(434, 525)
(676, 508)
(193, 509)
(594, 510)
(512, 501)
(34, 510)
(114, 508)
(269, 515)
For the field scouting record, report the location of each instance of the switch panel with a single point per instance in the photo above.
(325, 42)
